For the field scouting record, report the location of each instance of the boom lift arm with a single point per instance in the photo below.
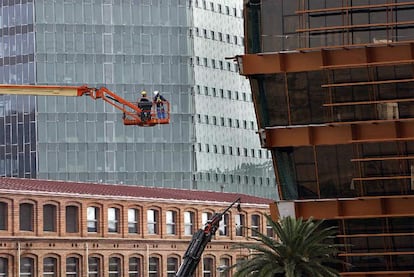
(199, 242)
(132, 113)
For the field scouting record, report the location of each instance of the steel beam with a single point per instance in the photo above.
(330, 58)
(338, 133)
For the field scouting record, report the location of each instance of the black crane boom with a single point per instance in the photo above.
(199, 241)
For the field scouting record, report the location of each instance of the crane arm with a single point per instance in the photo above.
(40, 90)
(132, 113)
(199, 242)
(130, 110)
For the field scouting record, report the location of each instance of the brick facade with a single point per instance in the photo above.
(60, 244)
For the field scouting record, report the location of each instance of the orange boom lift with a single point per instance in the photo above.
(132, 113)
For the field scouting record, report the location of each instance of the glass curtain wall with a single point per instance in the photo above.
(127, 46)
(227, 150)
(387, 235)
(289, 25)
(17, 113)
(352, 94)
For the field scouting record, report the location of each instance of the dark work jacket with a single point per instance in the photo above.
(144, 104)
(158, 99)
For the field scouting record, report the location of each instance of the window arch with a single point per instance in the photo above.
(135, 266)
(208, 266)
(255, 225)
(171, 222)
(154, 266)
(27, 266)
(50, 266)
(72, 218)
(4, 266)
(92, 217)
(225, 263)
(134, 220)
(50, 218)
(189, 223)
(240, 224)
(73, 266)
(153, 221)
(114, 219)
(94, 266)
(205, 216)
(115, 266)
(239, 260)
(3, 215)
(269, 230)
(26, 216)
(224, 225)
(172, 266)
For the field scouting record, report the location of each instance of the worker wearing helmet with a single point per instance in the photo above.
(143, 96)
(158, 100)
(145, 105)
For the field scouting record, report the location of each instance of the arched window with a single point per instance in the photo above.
(224, 225)
(152, 221)
(134, 267)
(154, 269)
(240, 220)
(72, 219)
(205, 216)
(49, 218)
(50, 267)
(3, 216)
(269, 230)
(92, 217)
(115, 267)
(208, 267)
(26, 267)
(255, 225)
(4, 267)
(223, 266)
(26, 216)
(189, 223)
(113, 220)
(172, 266)
(133, 221)
(170, 221)
(240, 260)
(72, 267)
(94, 266)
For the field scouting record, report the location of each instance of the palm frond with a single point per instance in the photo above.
(301, 248)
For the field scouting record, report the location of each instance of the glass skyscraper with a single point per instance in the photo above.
(177, 47)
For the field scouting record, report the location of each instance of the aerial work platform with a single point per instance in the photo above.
(132, 113)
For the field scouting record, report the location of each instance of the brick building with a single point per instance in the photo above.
(53, 228)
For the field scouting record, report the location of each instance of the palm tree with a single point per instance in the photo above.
(301, 249)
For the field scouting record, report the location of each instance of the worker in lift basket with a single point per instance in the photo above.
(145, 105)
(158, 100)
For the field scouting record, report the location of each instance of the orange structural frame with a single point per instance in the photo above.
(326, 58)
(339, 133)
(380, 274)
(361, 207)
(354, 208)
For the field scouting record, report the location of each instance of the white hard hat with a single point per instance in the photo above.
(156, 92)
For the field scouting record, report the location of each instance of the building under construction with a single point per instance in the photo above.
(333, 87)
